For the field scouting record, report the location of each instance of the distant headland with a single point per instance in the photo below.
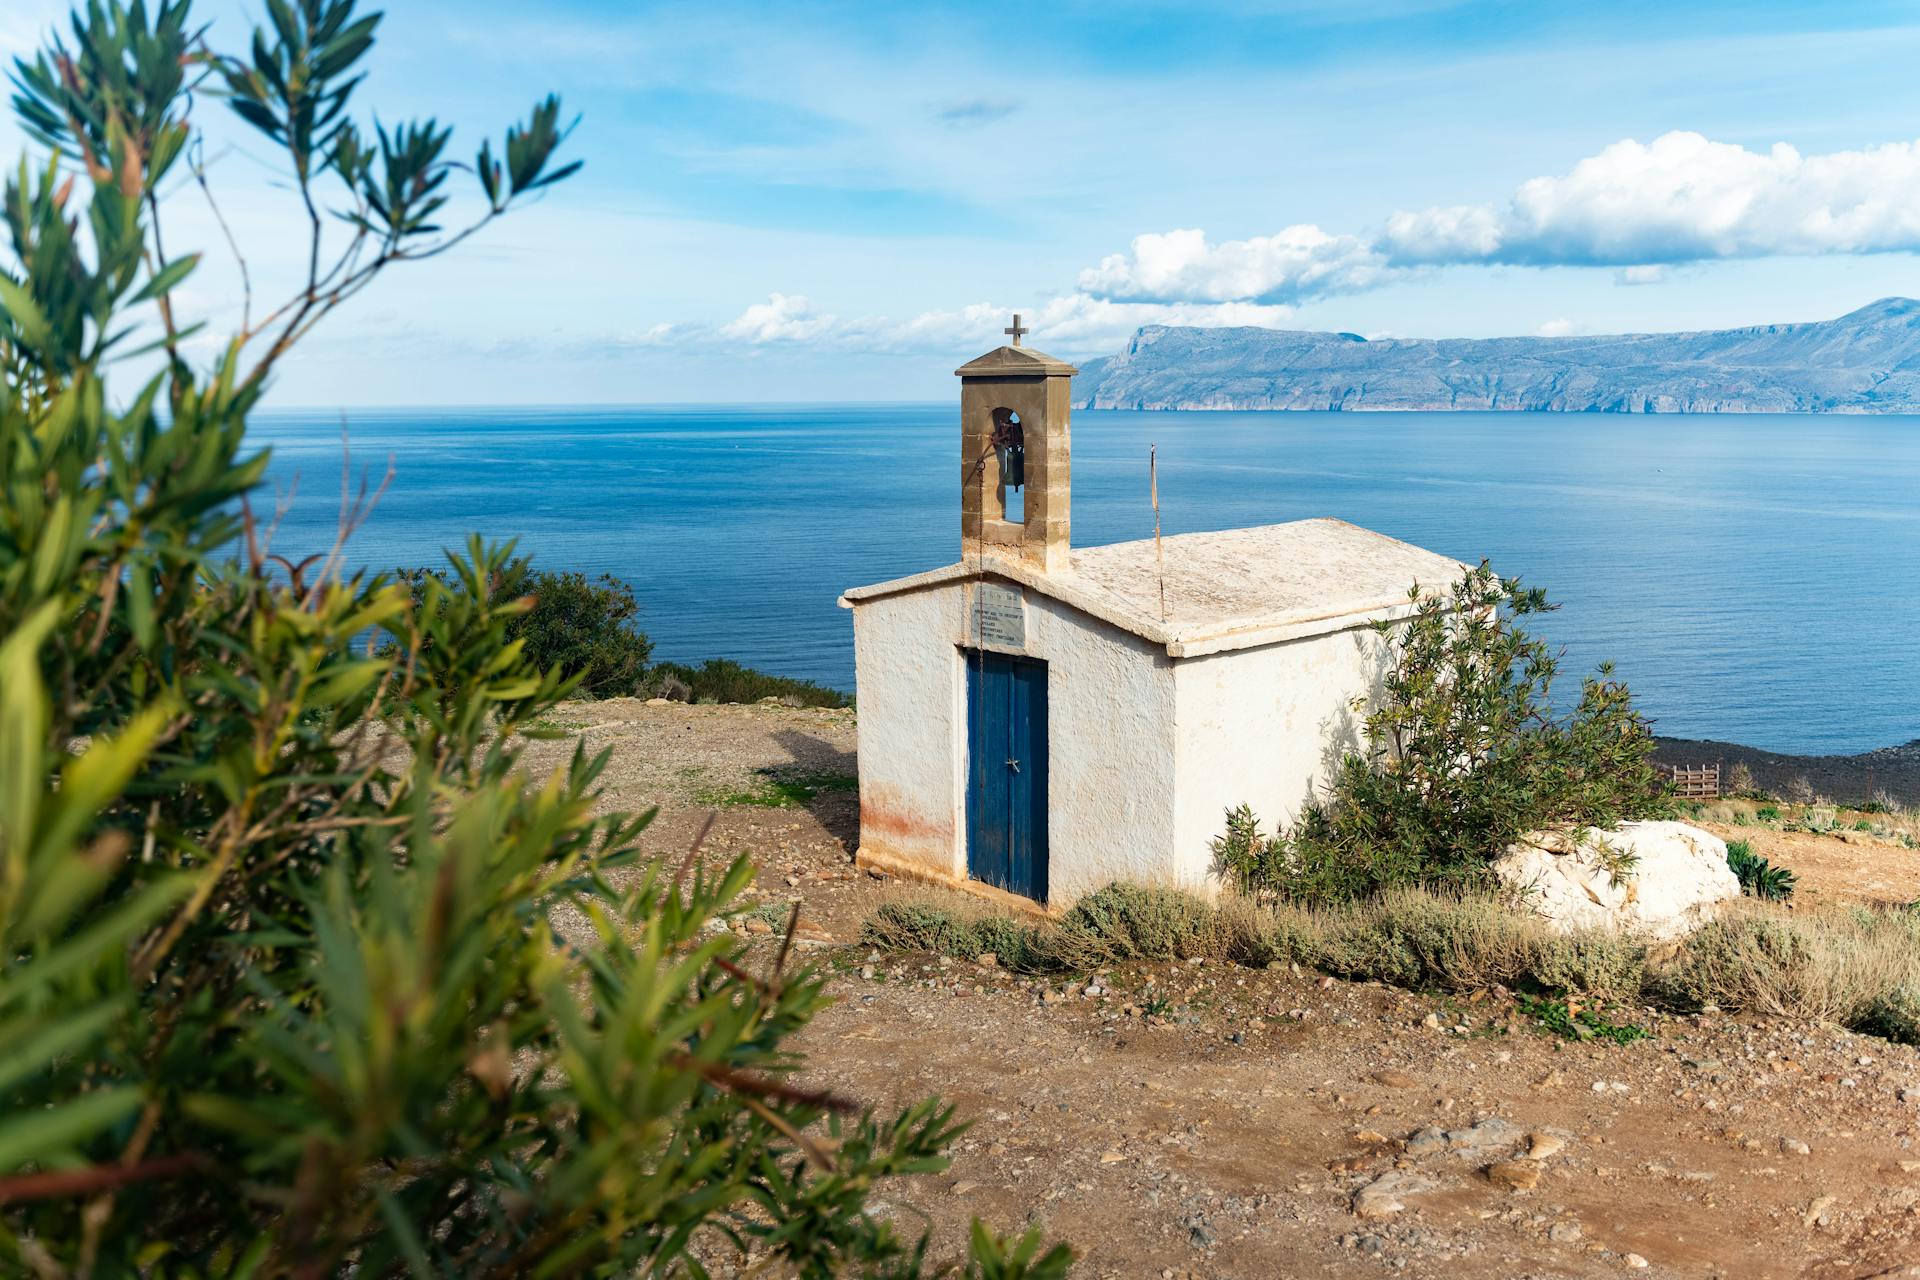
(1867, 361)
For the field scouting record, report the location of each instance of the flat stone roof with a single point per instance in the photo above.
(1228, 590)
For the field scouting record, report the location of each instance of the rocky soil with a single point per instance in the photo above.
(1198, 1120)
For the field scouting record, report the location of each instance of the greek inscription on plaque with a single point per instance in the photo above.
(999, 616)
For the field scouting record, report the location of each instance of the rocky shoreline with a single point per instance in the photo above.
(1889, 772)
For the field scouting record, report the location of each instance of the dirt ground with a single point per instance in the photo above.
(1268, 1123)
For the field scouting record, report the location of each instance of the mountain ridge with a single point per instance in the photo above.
(1867, 361)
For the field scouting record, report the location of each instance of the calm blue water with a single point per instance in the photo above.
(1754, 578)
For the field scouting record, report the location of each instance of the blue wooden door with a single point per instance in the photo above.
(1007, 772)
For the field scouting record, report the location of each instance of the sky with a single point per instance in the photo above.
(845, 201)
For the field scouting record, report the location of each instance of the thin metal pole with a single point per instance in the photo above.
(1159, 559)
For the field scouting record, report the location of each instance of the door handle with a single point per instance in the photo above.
(1013, 765)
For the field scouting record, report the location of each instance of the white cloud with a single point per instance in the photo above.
(1681, 198)
(1070, 324)
(782, 317)
(1684, 198)
(1646, 273)
(1559, 328)
(1463, 232)
(1181, 266)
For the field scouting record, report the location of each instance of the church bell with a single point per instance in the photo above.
(1013, 465)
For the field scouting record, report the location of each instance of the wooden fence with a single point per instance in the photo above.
(1695, 781)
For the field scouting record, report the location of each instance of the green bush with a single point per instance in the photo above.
(1465, 754)
(283, 984)
(1758, 877)
(724, 680)
(583, 626)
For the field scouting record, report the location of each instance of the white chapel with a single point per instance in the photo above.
(1038, 719)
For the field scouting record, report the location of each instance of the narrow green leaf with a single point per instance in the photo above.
(41, 1136)
(167, 277)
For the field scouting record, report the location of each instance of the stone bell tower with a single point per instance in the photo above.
(1013, 439)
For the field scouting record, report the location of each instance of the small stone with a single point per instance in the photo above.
(988, 960)
(1371, 1138)
(1395, 1079)
(1514, 1175)
(961, 1188)
(1817, 1211)
(1794, 1147)
(756, 925)
(1371, 1245)
(866, 971)
(1384, 1196)
(1426, 1141)
(1907, 1093)
(1564, 1232)
(1431, 1020)
(1637, 1262)
(1542, 1146)
(1910, 1166)
(1111, 1157)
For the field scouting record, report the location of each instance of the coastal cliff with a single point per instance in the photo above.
(1867, 361)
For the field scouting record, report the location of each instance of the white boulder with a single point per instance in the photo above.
(1659, 879)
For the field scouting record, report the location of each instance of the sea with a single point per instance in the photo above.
(1754, 578)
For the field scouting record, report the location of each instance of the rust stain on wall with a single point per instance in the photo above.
(889, 821)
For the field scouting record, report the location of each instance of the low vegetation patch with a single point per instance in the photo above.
(1571, 1020)
(1464, 754)
(775, 789)
(724, 680)
(1758, 877)
(1856, 967)
(1410, 937)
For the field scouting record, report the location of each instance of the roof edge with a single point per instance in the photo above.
(1191, 642)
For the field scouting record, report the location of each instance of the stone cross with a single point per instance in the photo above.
(1016, 330)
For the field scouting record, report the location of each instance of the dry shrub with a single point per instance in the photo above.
(1135, 922)
(1423, 939)
(1857, 967)
(1407, 937)
(1595, 961)
(1853, 966)
(951, 924)
(1257, 936)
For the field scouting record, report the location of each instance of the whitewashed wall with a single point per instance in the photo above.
(1111, 767)
(1264, 727)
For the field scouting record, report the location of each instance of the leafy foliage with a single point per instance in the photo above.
(1465, 752)
(299, 973)
(724, 680)
(583, 626)
(1758, 877)
(1572, 1019)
